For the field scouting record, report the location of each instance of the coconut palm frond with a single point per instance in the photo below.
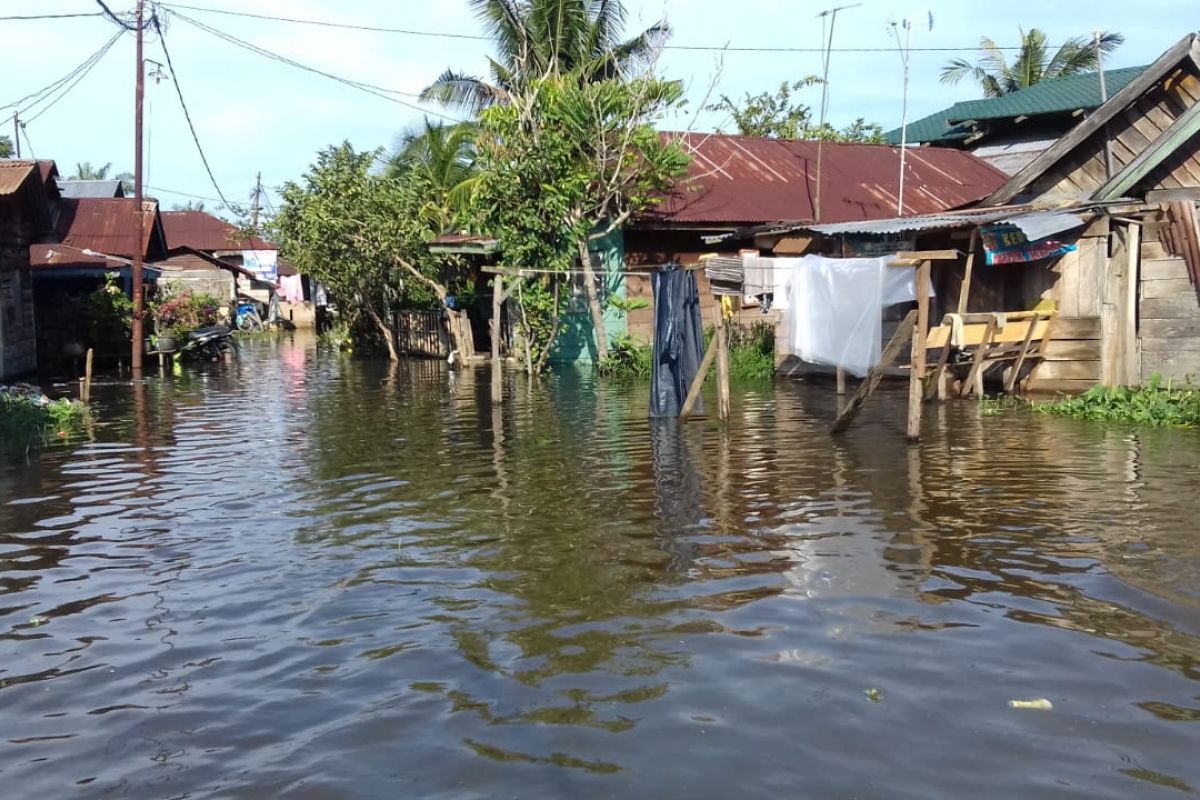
(1033, 64)
(505, 23)
(463, 91)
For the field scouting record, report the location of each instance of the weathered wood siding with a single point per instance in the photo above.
(1082, 172)
(18, 343)
(1169, 330)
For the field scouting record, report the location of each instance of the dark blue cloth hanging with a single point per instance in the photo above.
(678, 340)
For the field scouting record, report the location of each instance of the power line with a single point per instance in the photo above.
(184, 194)
(475, 37)
(107, 12)
(50, 16)
(82, 72)
(64, 79)
(162, 40)
(369, 88)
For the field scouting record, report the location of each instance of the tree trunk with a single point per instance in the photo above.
(389, 336)
(593, 297)
(497, 306)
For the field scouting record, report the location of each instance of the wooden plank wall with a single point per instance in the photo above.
(1169, 330)
(1083, 171)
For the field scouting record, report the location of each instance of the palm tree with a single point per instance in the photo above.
(445, 155)
(1033, 64)
(539, 38)
(87, 172)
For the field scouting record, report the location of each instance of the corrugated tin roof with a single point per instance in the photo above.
(58, 256)
(203, 231)
(106, 189)
(13, 175)
(1048, 97)
(109, 226)
(922, 222)
(745, 179)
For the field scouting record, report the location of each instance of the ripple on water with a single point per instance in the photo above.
(304, 576)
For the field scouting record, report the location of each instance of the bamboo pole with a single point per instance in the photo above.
(87, 377)
(875, 374)
(497, 305)
(916, 376)
(722, 365)
(698, 382)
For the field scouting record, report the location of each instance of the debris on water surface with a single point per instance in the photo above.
(874, 695)
(36, 621)
(1041, 704)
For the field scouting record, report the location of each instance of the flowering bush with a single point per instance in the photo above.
(178, 313)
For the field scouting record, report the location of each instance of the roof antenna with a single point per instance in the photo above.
(827, 44)
(1108, 162)
(905, 49)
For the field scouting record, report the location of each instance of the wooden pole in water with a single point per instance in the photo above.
(497, 305)
(964, 291)
(916, 377)
(875, 375)
(698, 382)
(87, 378)
(722, 365)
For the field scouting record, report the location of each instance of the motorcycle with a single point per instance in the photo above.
(214, 343)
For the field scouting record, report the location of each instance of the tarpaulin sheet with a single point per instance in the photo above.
(835, 308)
(678, 340)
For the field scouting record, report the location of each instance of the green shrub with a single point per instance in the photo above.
(29, 419)
(751, 351)
(109, 312)
(1153, 404)
(627, 359)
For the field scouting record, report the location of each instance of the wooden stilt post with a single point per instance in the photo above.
(698, 382)
(875, 374)
(840, 376)
(497, 305)
(1020, 362)
(965, 291)
(937, 383)
(722, 365)
(976, 373)
(87, 378)
(916, 377)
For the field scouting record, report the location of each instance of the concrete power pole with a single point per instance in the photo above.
(139, 95)
(257, 204)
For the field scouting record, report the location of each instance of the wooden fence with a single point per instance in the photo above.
(422, 333)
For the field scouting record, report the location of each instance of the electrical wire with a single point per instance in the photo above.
(53, 86)
(107, 12)
(29, 144)
(82, 72)
(162, 40)
(474, 37)
(184, 194)
(378, 91)
(50, 16)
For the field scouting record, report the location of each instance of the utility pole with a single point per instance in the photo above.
(828, 46)
(17, 133)
(135, 359)
(256, 208)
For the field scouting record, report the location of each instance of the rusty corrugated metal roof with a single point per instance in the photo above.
(746, 179)
(109, 226)
(203, 231)
(13, 175)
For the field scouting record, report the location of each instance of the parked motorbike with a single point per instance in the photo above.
(214, 343)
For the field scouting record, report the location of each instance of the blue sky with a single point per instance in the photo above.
(254, 115)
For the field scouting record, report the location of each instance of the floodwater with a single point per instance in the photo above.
(306, 577)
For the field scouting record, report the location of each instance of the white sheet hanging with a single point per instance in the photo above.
(835, 308)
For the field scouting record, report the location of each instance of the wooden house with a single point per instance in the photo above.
(25, 219)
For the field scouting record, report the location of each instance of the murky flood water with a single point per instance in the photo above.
(306, 577)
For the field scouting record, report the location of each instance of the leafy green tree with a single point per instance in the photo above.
(777, 115)
(1033, 64)
(563, 164)
(538, 39)
(363, 236)
(6, 147)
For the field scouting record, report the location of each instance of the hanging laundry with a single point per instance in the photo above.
(678, 340)
(292, 288)
(765, 280)
(835, 308)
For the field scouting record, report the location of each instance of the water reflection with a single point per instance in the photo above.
(306, 576)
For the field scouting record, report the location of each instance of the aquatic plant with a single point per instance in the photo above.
(1155, 403)
(627, 359)
(29, 418)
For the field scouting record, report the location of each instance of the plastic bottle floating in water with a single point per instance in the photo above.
(1041, 704)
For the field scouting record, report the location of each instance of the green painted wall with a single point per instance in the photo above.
(576, 343)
